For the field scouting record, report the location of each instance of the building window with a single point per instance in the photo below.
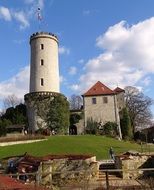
(42, 62)
(105, 100)
(42, 46)
(42, 82)
(93, 100)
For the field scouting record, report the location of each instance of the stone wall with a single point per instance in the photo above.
(131, 165)
(101, 112)
(80, 127)
(37, 104)
(59, 172)
(120, 100)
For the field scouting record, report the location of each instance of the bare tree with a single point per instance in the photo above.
(11, 101)
(75, 102)
(138, 106)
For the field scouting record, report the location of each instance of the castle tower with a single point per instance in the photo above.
(44, 78)
(44, 70)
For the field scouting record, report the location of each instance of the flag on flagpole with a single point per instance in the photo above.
(39, 16)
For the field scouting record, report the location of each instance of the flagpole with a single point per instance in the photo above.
(39, 17)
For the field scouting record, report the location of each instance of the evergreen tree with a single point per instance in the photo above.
(58, 115)
(16, 115)
(3, 124)
(125, 123)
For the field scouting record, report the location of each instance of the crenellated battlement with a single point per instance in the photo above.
(43, 35)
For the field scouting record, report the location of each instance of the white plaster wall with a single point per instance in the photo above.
(120, 100)
(50, 70)
(100, 111)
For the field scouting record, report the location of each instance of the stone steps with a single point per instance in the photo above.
(102, 176)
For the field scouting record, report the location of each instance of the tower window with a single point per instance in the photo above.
(105, 100)
(42, 62)
(93, 100)
(42, 82)
(42, 46)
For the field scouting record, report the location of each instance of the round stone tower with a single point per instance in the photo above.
(44, 71)
(44, 78)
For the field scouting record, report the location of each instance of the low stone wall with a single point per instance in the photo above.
(131, 165)
(60, 172)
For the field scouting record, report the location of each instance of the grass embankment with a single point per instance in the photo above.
(94, 145)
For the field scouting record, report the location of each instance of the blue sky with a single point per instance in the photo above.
(107, 40)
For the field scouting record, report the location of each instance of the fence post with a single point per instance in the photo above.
(107, 180)
(39, 175)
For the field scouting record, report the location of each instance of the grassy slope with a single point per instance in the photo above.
(95, 145)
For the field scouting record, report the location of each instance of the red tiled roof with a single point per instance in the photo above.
(99, 89)
(118, 90)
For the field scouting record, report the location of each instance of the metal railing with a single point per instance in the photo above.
(107, 182)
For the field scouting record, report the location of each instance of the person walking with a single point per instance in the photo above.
(111, 152)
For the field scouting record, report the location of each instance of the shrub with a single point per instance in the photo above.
(110, 129)
(58, 115)
(91, 127)
(3, 124)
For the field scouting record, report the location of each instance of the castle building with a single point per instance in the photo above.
(44, 78)
(120, 94)
(103, 104)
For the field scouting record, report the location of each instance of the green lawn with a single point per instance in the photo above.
(95, 145)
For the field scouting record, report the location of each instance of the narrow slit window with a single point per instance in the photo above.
(42, 62)
(42, 46)
(42, 82)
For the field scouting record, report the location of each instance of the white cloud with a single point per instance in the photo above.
(62, 79)
(36, 3)
(5, 13)
(72, 70)
(17, 85)
(146, 81)
(64, 50)
(22, 18)
(10, 15)
(75, 87)
(127, 57)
